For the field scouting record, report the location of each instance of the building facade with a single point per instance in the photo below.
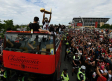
(88, 21)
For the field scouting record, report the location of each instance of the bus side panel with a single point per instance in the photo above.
(58, 60)
(58, 54)
(35, 63)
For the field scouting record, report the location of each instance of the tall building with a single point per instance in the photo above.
(88, 21)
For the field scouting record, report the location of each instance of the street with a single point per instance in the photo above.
(66, 64)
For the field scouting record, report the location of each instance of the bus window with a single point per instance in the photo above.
(30, 43)
(57, 40)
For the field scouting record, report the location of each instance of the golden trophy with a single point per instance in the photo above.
(47, 12)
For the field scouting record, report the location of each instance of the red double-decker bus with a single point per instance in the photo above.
(34, 56)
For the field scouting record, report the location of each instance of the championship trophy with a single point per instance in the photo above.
(47, 12)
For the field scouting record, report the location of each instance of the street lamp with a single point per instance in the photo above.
(73, 21)
(82, 20)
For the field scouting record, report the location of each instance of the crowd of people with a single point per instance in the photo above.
(91, 49)
(1, 47)
(92, 52)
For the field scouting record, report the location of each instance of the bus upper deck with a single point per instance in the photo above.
(36, 53)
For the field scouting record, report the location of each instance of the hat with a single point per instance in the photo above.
(2, 67)
(107, 63)
(65, 69)
(83, 67)
(103, 53)
(88, 58)
(76, 53)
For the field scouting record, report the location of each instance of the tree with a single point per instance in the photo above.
(15, 27)
(5, 25)
(107, 26)
(8, 24)
(28, 29)
(98, 26)
(111, 26)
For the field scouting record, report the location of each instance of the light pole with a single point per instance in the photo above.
(82, 20)
(73, 21)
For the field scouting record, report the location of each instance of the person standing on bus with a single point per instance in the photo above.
(35, 26)
(46, 22)
(51, 28)
(64, 75)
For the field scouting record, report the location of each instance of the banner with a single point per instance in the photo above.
(36, 63)
(96, 24)
(79, 24)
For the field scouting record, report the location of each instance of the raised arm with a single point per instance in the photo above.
(78, 50)
(40, 30)
(49, 18)
(43, 17)
(97, 71)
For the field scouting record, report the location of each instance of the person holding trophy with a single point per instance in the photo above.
(45, 20)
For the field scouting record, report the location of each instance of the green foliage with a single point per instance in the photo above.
(107, 26)
(5, 24)
(98, 26)
(15, 27)
(8, 24)
(2, 35)
(28, 29)
(110, 26)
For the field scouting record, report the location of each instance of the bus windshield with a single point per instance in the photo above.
(30, 43)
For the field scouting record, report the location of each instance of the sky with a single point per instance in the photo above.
(63, 11)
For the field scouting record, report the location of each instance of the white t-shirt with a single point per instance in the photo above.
(59, 29)
(109, 77)
(110, 49)
(46, 26)
(105, 71)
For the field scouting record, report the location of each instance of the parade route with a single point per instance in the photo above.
(66, 64)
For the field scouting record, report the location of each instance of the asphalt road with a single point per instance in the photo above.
(66, 64)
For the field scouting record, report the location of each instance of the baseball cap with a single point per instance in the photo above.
(65, 70)
(107, 63)
(76, 53)
(83, 67)
(88, 58)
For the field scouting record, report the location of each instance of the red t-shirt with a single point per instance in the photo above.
(68, 37)
(109, 55)
(110, 40)
(101, 78)
(103, 51)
